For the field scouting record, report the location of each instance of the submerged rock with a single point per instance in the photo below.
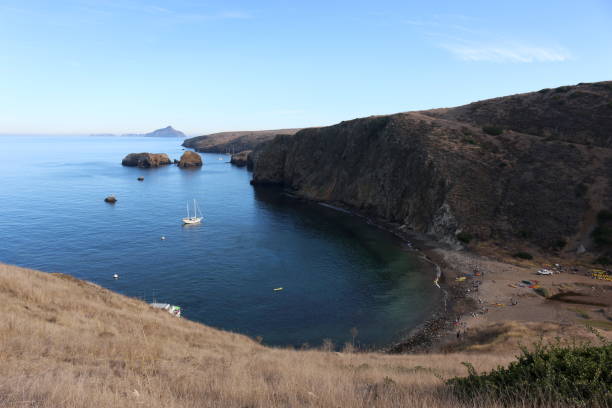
(240, 159)
(190, 159)
(146, 160)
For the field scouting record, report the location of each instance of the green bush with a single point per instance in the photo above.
(603, 260)
(523, 255)
(602, 235)
(604, 215)
(572, 375)
(464, 237)
(558, 244)
(581, 189)
(492, 130)
(562, 89)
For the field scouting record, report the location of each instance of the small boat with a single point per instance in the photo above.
(193, 219)
(173, 310)
(277, 289)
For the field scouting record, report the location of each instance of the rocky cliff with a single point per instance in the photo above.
(233, 142)
(240, 159)
(146, 160)
(534, 167)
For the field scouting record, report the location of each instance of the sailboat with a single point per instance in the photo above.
(193, 219)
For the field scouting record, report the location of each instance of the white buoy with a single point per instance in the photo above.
(116, 276)
(162, 238)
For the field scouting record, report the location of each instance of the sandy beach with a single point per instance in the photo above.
(507, 302)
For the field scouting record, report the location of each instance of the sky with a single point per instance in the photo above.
(125, 66)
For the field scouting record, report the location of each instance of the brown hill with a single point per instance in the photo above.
(69, 343)
(233, 142)
(535, 167)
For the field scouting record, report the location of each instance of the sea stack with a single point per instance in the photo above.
(190, 159)
(146, 160)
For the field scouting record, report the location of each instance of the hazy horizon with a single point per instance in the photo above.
(80, 67)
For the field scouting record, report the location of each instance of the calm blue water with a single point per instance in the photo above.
(337, 272)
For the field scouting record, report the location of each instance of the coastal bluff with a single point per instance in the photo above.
(233, 142)
(146, 160)
(534, 167)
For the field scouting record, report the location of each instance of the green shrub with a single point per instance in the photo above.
(464, 237)
(558, 244)
(554, 374)
(523, 255)
(525, 233)
(581, 189)
(545, 90)
(562, 89)
(604, 215)
(492, 130)
(602, 235)
(603, 260)
(610, 105)
(469, 140)
(542, 292)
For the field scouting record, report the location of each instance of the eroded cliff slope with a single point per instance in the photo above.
(536, 166)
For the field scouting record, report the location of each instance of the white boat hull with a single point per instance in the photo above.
(192, 220)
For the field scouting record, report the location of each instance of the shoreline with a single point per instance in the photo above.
(477, 312)
(421, 338)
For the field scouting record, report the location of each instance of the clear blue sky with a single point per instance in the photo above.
(83, 66)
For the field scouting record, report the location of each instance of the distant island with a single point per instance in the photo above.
(168, 131)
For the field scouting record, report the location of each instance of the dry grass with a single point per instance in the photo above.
(67, 343)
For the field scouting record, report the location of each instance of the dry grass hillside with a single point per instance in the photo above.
(68, 343)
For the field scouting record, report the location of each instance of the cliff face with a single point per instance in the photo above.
(146, 160)
(233, 142)
(535, 166)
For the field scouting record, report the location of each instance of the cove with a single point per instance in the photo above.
(337, 272)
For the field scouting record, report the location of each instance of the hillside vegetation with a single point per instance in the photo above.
(68, 343)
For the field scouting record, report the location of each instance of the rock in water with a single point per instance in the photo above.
(110, 199)
(140, 178)
(146, 160)
(240, 159)
(190, 159)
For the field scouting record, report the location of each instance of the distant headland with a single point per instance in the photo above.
(168, 132)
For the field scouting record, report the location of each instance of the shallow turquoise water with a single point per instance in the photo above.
(337, 271)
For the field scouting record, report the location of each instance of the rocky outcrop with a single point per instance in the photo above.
(190, 159)
(146, 160)
(240, 159)
(533, 167)
(228, 142)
